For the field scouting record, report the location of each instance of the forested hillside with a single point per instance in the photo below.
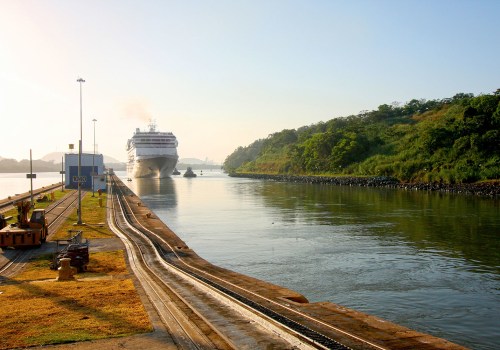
(453, 140)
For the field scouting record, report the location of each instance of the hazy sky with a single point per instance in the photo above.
(222, 73)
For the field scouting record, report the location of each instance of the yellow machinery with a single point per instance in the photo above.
(25, 233)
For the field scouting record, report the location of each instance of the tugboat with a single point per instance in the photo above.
(176, 172)
(189, 172)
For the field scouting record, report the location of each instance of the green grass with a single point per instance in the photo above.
(93, 216)
(101, 303)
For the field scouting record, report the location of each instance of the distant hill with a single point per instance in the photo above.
(190, 161)
(48, 163)
(56, 158)
(196, 164)
(194, 161)
(53, 157)
(14, 166)
(52, 162)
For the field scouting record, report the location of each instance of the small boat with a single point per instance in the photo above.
(129, 179)
(176, 172)
(189, 172)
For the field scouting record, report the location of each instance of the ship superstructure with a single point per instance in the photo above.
(151, 153)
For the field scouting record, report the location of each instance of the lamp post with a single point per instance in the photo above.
(31, 181)
(80, 80)
(93, 161)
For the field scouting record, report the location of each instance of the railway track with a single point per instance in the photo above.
(59, 211)
(55, 213)
(193, 319)
(159, 258)
(7, 204)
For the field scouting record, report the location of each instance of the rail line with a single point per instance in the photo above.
(266, 307)
(55, 213)
(67, 204)
(171, 307)
(8, 203)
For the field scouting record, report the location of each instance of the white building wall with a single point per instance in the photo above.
(88, 160)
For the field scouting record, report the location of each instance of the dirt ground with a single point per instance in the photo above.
(159, 339)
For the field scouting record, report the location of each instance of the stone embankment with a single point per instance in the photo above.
(490, 189)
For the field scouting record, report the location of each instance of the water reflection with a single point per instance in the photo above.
(451, 225)
(158, 193)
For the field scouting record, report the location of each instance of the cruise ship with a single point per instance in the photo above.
(151, 153)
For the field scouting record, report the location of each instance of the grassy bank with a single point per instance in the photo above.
(58, 194)
(93, 216)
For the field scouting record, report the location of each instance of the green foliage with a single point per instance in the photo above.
(452, 140)
(243, 155)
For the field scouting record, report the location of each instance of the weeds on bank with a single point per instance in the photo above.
(110, 264)
(101, 303)
(93, 216)
(58, 194)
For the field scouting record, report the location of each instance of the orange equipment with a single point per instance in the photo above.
(25, 233)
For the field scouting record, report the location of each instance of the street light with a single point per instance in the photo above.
(93, 161)
(79, 222)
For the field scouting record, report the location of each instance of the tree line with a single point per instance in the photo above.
(452, 140)
(23, 166)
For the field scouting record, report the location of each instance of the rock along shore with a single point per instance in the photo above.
(489, 189)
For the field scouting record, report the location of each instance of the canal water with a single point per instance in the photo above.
(17, 183)
(428, 261)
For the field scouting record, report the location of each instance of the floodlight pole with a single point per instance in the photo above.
(79, 222)
(93, 161)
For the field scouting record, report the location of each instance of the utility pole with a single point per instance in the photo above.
(80, 80)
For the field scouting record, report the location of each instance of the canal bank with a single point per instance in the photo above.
(489, 189)
(6, 203)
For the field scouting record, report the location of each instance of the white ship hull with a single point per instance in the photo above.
(151, 153)
(152, 166)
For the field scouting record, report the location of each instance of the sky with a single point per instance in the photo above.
(221, 74)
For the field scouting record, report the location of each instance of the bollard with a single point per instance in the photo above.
(66, 272)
